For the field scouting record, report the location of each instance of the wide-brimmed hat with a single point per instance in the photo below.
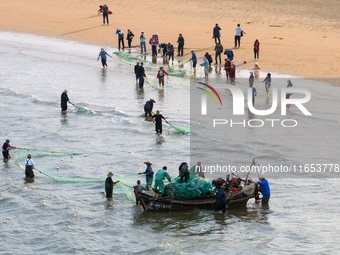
(29, 155)
(152, 100)
(148, 163)
(110, 174)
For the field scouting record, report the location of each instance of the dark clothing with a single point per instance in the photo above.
(164, 47)
(29, 169)
(148, 108)
(105, 11)
(209, 58)
(136, 70)
(158, 122)
(218, 50)
(5, 150)
(109, 187)
(171, 52)
(129, 38)
(230, 54)
(180, 42)
(140, 76)
(63, 101)
(237, 41)
(216, 34)
(221, 202)
(184, 172)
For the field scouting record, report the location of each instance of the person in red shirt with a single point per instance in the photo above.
(232, 74)
(160, 76)
(227, 65)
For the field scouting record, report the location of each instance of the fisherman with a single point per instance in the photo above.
(159, 183)
(102, 55)
(221, 202)
(267, 81)
(136, 71)
(194, 60)
(63, 101)
(148, 107)
(160, 76)
(171, 52)
(157, 119)
(109, 184)
(29, 166)
(265, 190)
(141, 75)
(184, 172)
(148, 173)
(138, 187)
(205, 64)
(5, 149)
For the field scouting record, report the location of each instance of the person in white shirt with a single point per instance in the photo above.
(239, 33)
(29, 166)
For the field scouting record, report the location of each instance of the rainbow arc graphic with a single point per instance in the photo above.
(211, 93)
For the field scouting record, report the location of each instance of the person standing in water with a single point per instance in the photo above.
(267, 82)
(148, 106)
(194, 60)
(63, 101)
(160, 76)
(102, 55)
(109, 184)
(157, 118)
(5, 149)
(29, 166)
(148, 174)
(205, 64)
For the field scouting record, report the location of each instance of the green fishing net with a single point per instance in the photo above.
(180, 128)
(195, 187)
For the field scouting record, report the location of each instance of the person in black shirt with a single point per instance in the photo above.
(148, 107)
(158, 120)
(64, 100)
(129, 37)
(141, 74)
(180, 42)
(109, 185)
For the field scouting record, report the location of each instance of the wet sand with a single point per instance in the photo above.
(296, 37)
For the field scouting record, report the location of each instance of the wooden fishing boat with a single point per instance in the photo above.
(159, 202)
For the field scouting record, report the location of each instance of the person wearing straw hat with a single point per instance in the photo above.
(63, 101)
(109, 184)
(148, 173)
(5, 149)
(29, 166)
(148, 107)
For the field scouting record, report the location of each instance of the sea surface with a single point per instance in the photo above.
(74, 217)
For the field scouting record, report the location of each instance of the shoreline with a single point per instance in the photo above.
(301, 46)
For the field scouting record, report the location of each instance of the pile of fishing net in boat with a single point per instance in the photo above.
(195, 187)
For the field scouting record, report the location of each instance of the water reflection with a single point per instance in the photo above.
(63, 119)
(160, 95)
(103, 75)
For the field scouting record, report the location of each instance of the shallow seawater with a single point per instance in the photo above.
(52, 217)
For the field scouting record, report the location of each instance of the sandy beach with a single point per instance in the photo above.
(296, 37)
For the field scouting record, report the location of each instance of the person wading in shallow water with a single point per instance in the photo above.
(109, 184)
(158, 122)
(29, 166)
(5, 149)
(63, 101)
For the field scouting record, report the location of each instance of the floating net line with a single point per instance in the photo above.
(38, 154)
(180, 128)
(79, 108)
(195, 187)
(130, 59)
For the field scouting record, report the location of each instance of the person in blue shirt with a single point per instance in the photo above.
(253, 94)
(194, 60)
(265, 190)
(221, 202)
(102, 55)
(148, 173)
